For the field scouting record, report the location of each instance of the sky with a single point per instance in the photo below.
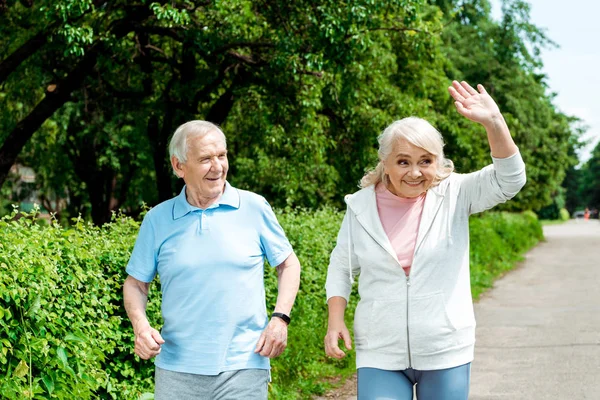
(573, 69)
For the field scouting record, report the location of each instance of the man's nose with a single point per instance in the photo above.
(216, 164)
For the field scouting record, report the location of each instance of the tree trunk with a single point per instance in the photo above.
(15, 141)
(158, 139)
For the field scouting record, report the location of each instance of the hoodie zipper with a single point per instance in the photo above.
(407, 329)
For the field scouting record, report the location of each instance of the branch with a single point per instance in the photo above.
(251, 45)
(52, 101)
(318, 74)
(125, 94)
(212, 86)
(22, 53)
(393, 28)
(157, 30)
(61, 93)
(243, 58)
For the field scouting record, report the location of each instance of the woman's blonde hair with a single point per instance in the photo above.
(418, 132)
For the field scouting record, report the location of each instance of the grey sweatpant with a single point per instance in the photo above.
(251, 384)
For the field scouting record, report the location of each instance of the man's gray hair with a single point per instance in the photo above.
(418, 132)
(178, 147)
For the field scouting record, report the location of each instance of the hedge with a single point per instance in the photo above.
(64, 333)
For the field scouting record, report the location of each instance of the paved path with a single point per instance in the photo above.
(538, 329)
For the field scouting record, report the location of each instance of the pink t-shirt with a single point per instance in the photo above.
(400, 218)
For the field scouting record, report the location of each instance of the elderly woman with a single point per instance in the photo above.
(406, 232)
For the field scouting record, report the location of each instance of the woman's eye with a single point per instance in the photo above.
(426, 162)
(402, 162)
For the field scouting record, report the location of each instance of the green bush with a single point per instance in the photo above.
(563, 214)
(64, 333)
(498, 241)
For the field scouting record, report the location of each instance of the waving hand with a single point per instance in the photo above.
(478, 106)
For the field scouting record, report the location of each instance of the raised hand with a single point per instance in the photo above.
(476, 106)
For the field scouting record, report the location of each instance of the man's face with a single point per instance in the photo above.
(205, 170)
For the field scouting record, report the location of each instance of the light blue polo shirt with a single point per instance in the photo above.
(211, 264)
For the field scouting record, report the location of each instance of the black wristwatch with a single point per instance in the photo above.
(284, 317)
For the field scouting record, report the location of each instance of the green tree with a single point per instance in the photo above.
(590, 183)
(301, 89)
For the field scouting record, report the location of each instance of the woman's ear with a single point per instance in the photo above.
(383, 167)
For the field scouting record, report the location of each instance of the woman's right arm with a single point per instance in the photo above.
(342, 267)
(336, 328)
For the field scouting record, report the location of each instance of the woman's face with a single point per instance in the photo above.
(410, 169)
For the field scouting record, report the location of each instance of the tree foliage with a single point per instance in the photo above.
(589, 178)
(90, 92)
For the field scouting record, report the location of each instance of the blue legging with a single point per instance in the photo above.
(442, 384)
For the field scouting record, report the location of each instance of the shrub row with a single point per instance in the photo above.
(64, 333)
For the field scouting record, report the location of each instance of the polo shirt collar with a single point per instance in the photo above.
(230, 197)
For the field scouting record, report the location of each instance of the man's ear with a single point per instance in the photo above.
(176, 164)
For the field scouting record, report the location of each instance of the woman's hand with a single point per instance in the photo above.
(476, 106)
(480, 107)
(334, 334)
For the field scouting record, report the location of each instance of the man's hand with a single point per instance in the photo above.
(147, 342)
(334, 334)
(273, 340)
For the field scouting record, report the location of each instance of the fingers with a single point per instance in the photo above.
(273, 340)
(460, 107)
(260, 343)
(347, 340)
(481, 88)
(461, 89)
(157, 337)
(332, 349)
(147, 343)
(455, 95)
(468, 88)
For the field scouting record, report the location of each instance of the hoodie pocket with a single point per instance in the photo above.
(362, 319)
(430, 328)
(384, 327)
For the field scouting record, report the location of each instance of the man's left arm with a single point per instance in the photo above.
(273, 340)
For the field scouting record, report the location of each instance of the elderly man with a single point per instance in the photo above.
(208, 246)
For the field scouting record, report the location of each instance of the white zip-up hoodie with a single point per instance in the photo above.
(424, 321)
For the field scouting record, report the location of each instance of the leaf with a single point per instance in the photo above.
(62, 356)
(48, 382)
(73, 338)
(21, 370)
(35, 306)
(146, 396)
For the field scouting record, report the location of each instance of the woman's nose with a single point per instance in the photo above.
(415, 171)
